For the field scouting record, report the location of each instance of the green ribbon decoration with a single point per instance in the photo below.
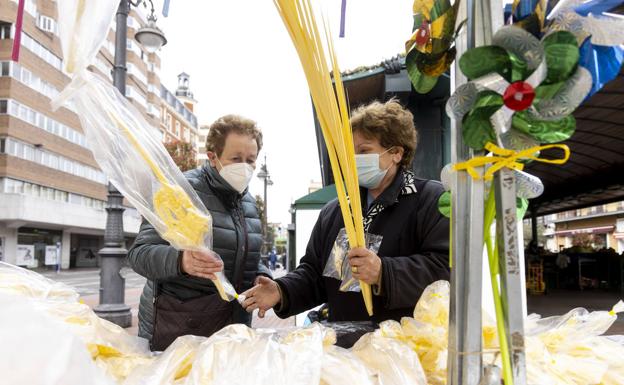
(548, 119)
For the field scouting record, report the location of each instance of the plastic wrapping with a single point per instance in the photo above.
(29, 284)
(390, 360)
(171, 367)
(125, 146)
(112, 349)
(347, 333)
(338, 266)
(341, 367)
(83, 27)
(240, 355)
(37, 349)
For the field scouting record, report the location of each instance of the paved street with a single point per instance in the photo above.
(87, 283)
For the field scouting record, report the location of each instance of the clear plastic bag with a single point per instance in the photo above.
(26, 283)
(340, 367)
(390, 360)
(126, 147)
(171, 367)
(37, 349)
(338, 266)
(83, 27)
(239, 355)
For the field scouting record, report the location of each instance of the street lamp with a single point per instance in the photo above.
(266, 179)
(112, 284)
(150, 36)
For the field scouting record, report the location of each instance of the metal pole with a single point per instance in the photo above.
(465, 366)
(510, 271)
(464, 361)
(112, 284)
(534, 234)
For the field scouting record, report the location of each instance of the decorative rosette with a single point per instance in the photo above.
(521, 90)
(599, 34)
(429, 49)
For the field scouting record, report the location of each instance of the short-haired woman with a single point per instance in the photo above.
(179, 298)
(400, 207)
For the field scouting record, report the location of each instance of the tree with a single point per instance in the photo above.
(269, 237)
(183, 154)
(260, 206)
(583, 240)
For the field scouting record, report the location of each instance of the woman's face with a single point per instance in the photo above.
(238, 148)
(387, 159)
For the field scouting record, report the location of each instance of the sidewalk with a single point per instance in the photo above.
(560, 302)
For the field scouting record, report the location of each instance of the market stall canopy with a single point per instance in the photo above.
(389, 79)
(317, 199)
(594, 174)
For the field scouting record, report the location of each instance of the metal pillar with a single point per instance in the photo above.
(534, 235)
(464, 361)
(465, 366)
(112, 284)
(510, 270)
(292, 239)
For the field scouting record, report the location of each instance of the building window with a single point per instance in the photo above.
(28, 152)
(37, 119)
(3, 106)
(45, 54)
(169, 121)
(5, 30)
(177, 129)
(5, 68)
(46, 23)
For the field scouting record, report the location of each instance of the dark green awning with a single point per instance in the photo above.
(316, 199)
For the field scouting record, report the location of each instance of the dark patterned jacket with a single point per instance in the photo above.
(414, 253)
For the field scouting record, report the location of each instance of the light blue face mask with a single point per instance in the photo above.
(369, 173)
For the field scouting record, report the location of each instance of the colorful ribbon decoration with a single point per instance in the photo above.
(17, 40)
(430, 50)
(165, 10)
(507, 158)
(343, 14)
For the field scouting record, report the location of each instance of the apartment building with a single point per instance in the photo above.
(52, 193)
(178, 120)
(605, 224)
(202, 155)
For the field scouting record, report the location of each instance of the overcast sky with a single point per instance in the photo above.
(241, 60)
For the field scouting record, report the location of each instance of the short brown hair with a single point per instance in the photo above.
(389, 123)
(222, 127)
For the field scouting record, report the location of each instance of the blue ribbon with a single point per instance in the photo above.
(597, 7)
(343, 11)
(602, 62)
(165, 10)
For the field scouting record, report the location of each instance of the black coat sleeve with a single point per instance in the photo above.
(404, 278)
(304, 287)
(153, 257)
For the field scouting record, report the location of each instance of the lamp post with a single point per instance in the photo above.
(266, 178)
(292, 247)
(112, 284)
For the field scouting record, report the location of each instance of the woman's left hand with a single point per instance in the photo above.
(365, 265)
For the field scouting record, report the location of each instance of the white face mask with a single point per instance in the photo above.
(369, 173)
(238, 175)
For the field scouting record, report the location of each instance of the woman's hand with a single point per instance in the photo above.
(263, 296)
(203, 264)
(365, 265)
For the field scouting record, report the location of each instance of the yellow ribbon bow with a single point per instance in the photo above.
(502, 157)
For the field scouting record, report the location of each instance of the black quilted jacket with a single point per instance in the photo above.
(414, 253)
(236, 238)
